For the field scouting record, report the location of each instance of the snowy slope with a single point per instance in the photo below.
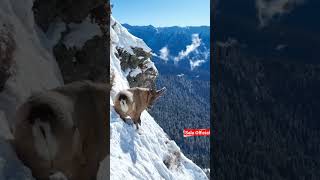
(34, 67)
(147, 153)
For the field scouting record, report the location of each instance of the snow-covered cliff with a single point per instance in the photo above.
(28, 67)
(147, 153)
(32, 66)
(35, 46)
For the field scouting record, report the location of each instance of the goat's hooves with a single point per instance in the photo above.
(128, 121)
(138, 130)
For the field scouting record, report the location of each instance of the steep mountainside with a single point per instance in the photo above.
(186, 104)
(46, 44)
(42, 46)
(147, 153)
(187, 99)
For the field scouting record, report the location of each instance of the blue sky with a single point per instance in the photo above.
(162, 13)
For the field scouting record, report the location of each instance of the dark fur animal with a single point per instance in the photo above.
(64, 130)
(133, 101)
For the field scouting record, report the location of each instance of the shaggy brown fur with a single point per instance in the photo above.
(135, 101)
(64, 130)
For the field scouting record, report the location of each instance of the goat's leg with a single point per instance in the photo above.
(137, 120)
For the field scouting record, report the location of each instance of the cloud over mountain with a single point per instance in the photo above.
(268, 9)
(196, 63)
(196, 41)
(164, 53)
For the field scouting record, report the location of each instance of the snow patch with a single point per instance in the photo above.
(54, 33)
(80, 33)
(126, 40)
(135, 72)
(34, 67)
(150, 65)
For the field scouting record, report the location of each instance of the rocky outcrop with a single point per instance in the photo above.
(7, 47)
(134, 55)
(69, 11)
(141, 71)
(88, 62)
(82, 49)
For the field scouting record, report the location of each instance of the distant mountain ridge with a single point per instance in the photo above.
(176, 40)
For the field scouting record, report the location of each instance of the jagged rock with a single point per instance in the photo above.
(7, 47)
(90, 62)
(141, 71)
(46, 12)
(132, 61)
(80, 57)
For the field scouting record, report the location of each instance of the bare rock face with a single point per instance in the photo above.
(141, 70)
(47, 11)
(7, 46)
(89, 62)
(82, 50)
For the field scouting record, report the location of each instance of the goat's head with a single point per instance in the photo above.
(153, 95)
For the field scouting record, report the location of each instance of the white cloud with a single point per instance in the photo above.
(280, 47)
(228, 43)
(154, 54)
(196, 41)
(268, 9)
(194, 64)
(164, 53)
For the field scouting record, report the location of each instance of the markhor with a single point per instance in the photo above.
(64, 131)
(133, 101)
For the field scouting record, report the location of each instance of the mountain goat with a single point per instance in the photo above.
(64, 130)
(133, 101)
